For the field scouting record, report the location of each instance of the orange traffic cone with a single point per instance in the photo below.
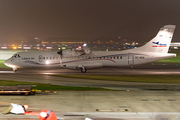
(47, 115)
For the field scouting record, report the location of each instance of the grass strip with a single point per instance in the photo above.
(130, 78)
(172, 60)
(42, 86)
(2, 64)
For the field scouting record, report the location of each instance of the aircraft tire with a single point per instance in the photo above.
(15, 69)
(83, 70)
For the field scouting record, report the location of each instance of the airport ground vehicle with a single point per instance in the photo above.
(20, 89)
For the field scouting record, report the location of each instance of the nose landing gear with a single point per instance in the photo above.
(15, 69)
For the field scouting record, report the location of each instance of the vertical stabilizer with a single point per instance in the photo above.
(161, 42)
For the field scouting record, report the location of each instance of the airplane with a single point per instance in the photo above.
(83, 58)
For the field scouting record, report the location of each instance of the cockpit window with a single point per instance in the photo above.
(16, 56)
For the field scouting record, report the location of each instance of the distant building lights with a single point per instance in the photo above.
(175, 47)
(84, 45)
(48, 47)
(14, 47)
(27, 48)
(3, 47)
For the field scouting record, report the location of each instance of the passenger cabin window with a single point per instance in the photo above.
(141, 57)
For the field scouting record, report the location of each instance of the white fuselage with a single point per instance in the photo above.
(96, 59)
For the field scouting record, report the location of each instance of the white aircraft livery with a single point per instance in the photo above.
(82, 58)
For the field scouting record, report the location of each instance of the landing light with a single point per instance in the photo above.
(47, 62)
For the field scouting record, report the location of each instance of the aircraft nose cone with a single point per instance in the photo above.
(8, 63)
(5, 62)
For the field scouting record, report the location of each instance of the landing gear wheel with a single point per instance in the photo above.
(15, 69)
(83, 70)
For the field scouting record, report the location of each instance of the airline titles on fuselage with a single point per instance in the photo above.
(28, 58)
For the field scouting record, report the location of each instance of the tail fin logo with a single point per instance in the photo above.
(157, 44)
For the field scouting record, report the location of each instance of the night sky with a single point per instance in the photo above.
(135, 19)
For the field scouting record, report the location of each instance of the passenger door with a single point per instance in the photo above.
(130, 58)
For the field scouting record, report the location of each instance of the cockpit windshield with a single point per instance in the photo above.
(16, 56)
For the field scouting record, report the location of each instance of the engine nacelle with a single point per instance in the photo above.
(87, 51)
(69, 53)
(74, 52)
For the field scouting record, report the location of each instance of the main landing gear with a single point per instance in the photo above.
(83, 70)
